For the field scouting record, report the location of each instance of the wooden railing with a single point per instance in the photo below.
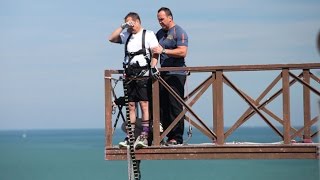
(286, 75)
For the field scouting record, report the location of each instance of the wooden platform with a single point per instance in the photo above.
(227, 151)
(284, 79)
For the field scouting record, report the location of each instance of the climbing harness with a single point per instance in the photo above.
(135, 70)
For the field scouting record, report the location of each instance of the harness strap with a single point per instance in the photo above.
(126, 45)
(141, 51)
(143, 43)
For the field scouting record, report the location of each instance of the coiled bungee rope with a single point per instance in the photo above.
(132, 158)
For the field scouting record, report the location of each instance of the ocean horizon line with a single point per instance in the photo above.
(119, 128)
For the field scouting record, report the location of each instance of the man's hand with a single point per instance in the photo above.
(155, 72)
(157, 50)
(128, 24)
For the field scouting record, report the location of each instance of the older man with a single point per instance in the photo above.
(173, 50)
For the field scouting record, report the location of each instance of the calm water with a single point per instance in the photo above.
(79, 155)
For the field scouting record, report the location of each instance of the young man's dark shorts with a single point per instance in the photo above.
(139, 90)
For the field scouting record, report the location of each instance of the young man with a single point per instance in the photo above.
(173, 49)
(137, 62)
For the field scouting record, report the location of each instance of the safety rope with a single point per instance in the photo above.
(132, 160)
(130, 170)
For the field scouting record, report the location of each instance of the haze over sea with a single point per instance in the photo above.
(79, 154)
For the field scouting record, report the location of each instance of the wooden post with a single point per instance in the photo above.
(156, 113)
(306, 106)
(108, 108)
(218, 123)
(286, 106)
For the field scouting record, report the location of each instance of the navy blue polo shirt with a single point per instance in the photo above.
(171, 39)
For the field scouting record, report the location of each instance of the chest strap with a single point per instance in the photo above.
(141, 51)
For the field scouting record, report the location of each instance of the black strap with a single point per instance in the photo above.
(125, 47)
(143, 42)
(141, 51)
(144, 48)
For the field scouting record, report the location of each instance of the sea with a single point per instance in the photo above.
(78, 154)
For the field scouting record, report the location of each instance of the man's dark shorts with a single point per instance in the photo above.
(139, 90)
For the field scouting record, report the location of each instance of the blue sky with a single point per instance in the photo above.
(53, 53)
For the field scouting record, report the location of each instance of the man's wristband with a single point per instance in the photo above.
(163, 51)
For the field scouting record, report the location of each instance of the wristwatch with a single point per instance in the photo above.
(163, 51)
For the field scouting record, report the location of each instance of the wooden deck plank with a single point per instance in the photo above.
(231, 151)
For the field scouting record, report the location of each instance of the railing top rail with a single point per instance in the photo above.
(257, 67)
